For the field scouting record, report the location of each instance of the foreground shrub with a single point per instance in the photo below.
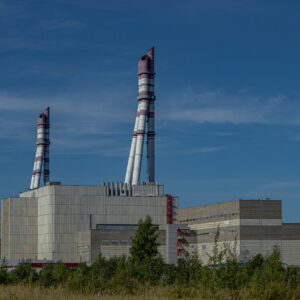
(262, 278)
(54, 275)
(180, 291)
(4, 276)
(189, 271)
(24, 273)
(124, 284)
(78, 278)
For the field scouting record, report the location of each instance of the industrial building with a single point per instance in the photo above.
(51, 223)
(246, 228)
(55, 222)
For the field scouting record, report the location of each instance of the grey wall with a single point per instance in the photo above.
(19, 228)
(109, 243)
(61, 211)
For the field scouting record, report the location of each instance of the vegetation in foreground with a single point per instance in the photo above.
(143, 275)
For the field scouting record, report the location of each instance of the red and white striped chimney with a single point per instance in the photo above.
(145, 116)
(41, 160)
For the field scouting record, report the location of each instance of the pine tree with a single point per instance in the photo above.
(144, 243)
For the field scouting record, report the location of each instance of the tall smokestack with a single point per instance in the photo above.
(42, 150)
(145, 115)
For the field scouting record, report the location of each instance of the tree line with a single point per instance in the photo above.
(144, 271)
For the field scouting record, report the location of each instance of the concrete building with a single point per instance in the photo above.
(246, 227)
(110, 240)
(58, 223)
(49, 223)
(77, 223)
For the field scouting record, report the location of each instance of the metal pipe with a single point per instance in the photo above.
(47, 143)
(151, 123)
(129, 170)
(139, 141)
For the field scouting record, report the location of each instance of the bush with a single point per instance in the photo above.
(54, 275)
(123, 283)
(78, 278)
(179, 291)
(4, 276)
(260, 278)
(189, 271)
(24, 273)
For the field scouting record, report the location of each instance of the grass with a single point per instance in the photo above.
(25, 292)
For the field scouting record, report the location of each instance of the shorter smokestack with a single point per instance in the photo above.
(41, 160)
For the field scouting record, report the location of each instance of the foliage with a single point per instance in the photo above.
(145, 262)
(144, 243)
(4, 276)
(24, 273)
(53, 275)
(262, 277)
(77, 279)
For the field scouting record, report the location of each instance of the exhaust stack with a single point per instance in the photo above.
(41, 160)
(144, 118)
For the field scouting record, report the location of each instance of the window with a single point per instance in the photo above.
(226, 245)
(116, 226)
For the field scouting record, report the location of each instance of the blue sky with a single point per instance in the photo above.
(227, 85)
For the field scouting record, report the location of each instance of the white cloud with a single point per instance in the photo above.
(79, 124)
(9, 43)
(199, 150)
(280, 185)
(13, 103)
(84, 121)
(62, 25)
(208, 149)
(13, 129)
(221, 107)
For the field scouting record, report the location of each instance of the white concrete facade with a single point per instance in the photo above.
(246, 228)
(19, 228)
(58, 212)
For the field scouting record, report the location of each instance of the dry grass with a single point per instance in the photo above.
(19, 292)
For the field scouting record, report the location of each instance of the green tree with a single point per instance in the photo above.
(218, 255)
(145, 262)
(144, 243)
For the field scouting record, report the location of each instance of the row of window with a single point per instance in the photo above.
(226, 231)
(225, 216)
(225, 246)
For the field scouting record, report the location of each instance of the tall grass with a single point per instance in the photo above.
(121, 278)
(29, 292)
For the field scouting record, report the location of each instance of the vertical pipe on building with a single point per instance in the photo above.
(42, 144)
(146, 95)
(139, 141)
(169, 209)
(129, 170)
(47, 143)
(151, 123)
